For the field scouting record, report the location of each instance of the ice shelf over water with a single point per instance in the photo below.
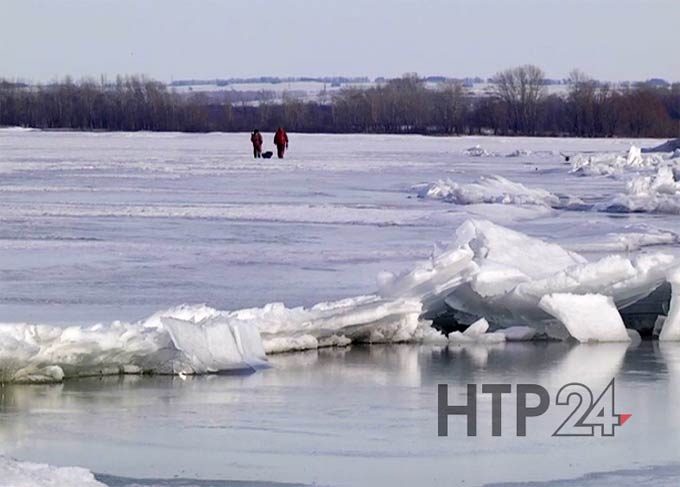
(502, 277)
(186, 340)
(14, 473)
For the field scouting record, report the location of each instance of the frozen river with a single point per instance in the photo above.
(102, 227)
(98, 227)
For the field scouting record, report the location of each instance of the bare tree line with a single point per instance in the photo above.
(518, 105)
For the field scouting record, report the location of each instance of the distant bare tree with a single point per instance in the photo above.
(521, 89)
(518, 105)
(449, 107)
(582, 100)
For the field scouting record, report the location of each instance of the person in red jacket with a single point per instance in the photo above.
(256, 139)
(281, 142)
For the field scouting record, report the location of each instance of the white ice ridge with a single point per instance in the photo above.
(198, 339)
(185, 340)
(14, 473)
(656, 193)
(487, 272)
(478, 151)
(488, 189)
(502, 275)
(612, 164)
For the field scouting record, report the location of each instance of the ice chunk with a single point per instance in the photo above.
(518, 333)
(477, 328)
(493, 279)
(658, 325)
(193, 313)
(671, 325)
(495, 244)
(489, 189)
(280, 344)
(35, 353)
(502, 275)
(26, 474)
(477, 151)
(657, 193)
(214, 345)
(364, 319)
(588, 317)
(519, 153)
(459, 338)
(430, 280)
(476, 333)
(634, 336)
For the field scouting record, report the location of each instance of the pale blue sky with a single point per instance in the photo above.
(610, 39)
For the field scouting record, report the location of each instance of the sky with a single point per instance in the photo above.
(614, 40)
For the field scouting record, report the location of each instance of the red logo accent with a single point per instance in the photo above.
(623, 418)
